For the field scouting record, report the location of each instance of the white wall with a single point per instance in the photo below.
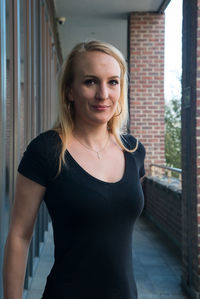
(77, 29)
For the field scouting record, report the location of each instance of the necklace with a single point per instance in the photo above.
(91, 149)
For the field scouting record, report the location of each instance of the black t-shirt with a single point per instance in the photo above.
(92, 221)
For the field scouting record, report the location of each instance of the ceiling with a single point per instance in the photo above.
(99, 19)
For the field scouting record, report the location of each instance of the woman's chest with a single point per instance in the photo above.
(75, 194)
(108, 166)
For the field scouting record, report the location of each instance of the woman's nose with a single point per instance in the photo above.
(102, 92)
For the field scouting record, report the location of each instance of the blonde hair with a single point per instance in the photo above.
(65, 121)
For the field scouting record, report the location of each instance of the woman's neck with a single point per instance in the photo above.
(91, 136)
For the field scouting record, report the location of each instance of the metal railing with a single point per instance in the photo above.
(170, 175)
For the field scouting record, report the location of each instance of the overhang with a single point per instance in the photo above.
(99, 19)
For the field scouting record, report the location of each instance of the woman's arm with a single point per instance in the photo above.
(28, 197)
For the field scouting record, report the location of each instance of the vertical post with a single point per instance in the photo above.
(191, 147)
(2, 128)
(27, 70)
(16, 83)
(33, 41)
(27, 92)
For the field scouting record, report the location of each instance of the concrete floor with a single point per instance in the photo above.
(157, 265)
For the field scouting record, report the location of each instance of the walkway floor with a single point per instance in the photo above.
(157, 265)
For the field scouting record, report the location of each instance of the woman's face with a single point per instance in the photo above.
(96, 88)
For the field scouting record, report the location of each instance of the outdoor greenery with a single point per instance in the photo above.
(173, 133)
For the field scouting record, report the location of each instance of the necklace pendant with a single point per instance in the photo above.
(98, 156)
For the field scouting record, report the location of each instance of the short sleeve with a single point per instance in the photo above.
(130, 142)
(33, 164)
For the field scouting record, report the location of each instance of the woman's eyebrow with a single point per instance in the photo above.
(95, 77)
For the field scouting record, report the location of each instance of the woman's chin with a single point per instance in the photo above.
(102, 120)
(95, 120)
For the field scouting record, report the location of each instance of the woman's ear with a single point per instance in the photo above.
(70, 95)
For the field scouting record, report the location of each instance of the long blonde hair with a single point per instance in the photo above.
(65, 121)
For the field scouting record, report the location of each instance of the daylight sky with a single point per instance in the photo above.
(173, 49)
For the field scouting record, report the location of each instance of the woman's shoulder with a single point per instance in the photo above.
(39, 161)
(46, 144)
(52, 142)
(50, 135)
(131, 142)
(49, 138)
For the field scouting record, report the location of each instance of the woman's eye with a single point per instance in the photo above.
(89, 82)
(114, 82)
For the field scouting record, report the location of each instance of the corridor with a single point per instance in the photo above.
(157, 264)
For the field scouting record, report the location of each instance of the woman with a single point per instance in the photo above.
(87, 173)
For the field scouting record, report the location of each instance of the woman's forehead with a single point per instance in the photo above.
(96, 61)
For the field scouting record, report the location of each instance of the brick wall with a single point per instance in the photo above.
(163, 205)
(147, 83)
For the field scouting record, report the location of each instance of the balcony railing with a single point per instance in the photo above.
(169, 175)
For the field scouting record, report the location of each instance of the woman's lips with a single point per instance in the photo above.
(100, 107)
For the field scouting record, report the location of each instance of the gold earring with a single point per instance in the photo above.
(120, 110)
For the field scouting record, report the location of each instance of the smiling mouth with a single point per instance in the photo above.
(100, 107)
